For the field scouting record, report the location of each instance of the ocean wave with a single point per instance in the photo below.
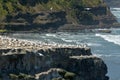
(108, 56)
(110, 38)
(51, 35)
(115, 9)
(93, 44)
(116, 13)
(68, 40)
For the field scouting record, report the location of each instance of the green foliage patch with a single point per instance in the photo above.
(21, 76)
(75, 9)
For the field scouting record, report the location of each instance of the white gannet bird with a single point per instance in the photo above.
(85, 45)
(40, 54)
(51, 8)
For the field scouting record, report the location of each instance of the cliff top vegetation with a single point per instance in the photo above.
(12, 7)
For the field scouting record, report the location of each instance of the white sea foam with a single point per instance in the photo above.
(110, 38)
(97, 55)
(116, 12)
(115, 9)
(93, 44)
(105, 55)
(67, 40)
(51, 35)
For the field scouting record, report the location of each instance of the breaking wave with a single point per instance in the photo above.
(105, 55)
(94, 44)
(116, 12)
(51, 35)
(110, 38)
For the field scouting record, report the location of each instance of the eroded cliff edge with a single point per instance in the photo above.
(50, 63)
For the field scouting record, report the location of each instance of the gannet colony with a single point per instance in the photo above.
(7, 42)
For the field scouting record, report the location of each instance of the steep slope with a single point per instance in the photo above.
(38, 15)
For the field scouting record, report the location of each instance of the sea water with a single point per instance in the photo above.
(116, 13)
(103, 45)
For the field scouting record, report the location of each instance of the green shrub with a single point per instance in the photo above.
(69, 75)
(66, 75)
(25, 77)
(3, 12)
(21, 76)
(75, 9)
(13, 77)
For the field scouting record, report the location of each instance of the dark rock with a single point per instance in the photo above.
(42, 20)
(42, 62)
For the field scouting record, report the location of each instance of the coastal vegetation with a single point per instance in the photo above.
(21, 76)
(9, 7)
(19, 12)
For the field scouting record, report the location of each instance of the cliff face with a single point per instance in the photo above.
(51, 64)
(47, 15)
(39, 60)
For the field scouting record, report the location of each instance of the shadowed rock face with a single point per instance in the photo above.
(40, 60)
(32, 2)
(47, 64)
(37, 21)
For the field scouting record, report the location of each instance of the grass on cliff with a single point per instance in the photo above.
(8, 7)
(75, 9)
(92, 3)
(67, 75)
(21, 76)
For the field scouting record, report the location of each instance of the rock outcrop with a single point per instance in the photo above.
(78, 69)
(40, 60)
(50, 63)
(85, 67)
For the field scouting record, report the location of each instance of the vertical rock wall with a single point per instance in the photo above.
(46, 64)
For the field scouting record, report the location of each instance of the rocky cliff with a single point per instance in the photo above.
(53, 64)
(52, 15)
(48, 62)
